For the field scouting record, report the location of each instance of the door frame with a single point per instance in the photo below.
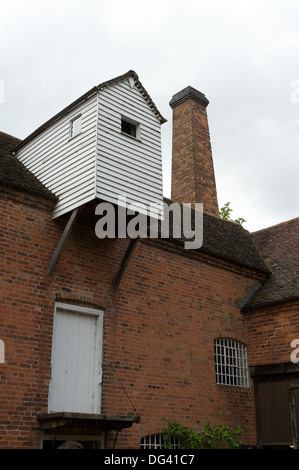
(294, 385)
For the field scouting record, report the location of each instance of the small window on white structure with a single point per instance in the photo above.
(75, 126)
(231, 362)
(155, 441)
(130, 127)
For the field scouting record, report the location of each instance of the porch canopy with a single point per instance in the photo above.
(62, 421)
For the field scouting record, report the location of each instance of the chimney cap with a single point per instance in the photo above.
(188, 93)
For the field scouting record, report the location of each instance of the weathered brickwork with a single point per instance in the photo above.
(271, 329)
(159, 326)
(172, 375)
(193, 178)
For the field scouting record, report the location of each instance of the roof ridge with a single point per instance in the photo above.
(276, 225)
(132, 73)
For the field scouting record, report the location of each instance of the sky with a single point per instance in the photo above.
(243, 55)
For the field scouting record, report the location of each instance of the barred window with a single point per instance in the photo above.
(231, 362)
(155, 441)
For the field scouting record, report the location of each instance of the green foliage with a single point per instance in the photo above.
(212, 437)
(225, 213)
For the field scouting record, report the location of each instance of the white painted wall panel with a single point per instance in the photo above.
(75, 384)
(101, 161)
(128, 166)
(66, 166)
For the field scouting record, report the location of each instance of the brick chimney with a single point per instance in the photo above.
(193, 178)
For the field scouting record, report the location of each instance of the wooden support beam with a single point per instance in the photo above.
(64, 237)
(123, 265)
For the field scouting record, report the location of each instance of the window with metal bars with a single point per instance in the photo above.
(155, 441)
(231, 362)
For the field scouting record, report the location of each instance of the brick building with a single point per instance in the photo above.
(105, 340)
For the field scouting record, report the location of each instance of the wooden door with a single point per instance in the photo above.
(277, 412)
(75, 384)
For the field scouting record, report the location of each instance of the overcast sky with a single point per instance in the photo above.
(242, 54)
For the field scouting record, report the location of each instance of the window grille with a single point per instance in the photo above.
(155, 441)
(231, 362)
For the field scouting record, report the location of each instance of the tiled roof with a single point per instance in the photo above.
(13, 172)
(229, 241)
(279, 246)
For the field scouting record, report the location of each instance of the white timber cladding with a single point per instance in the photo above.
(90, 158)
(76, 367)
(65, 164)
(128, 166)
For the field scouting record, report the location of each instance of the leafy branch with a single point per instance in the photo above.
(225, 213)
(212, 437)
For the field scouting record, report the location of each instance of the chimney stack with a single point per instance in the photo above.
(193, 178)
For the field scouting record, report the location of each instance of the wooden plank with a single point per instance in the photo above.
(53, 424)
(124, 263)
(85, 416)
(63, 240)
(51, 421)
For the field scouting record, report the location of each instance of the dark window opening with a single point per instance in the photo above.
(128, 128)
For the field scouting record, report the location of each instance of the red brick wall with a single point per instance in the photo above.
(159, 327)
(271, 330)
(25, 231)
(165, 340)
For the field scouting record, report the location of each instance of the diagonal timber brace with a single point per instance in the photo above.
(123, 265)
(64, 238)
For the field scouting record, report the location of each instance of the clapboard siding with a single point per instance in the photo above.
(53, 140)
(124, 152)
(66, 166)
(127, 166)
(101, 162)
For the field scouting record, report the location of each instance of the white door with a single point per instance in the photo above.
(75, 384)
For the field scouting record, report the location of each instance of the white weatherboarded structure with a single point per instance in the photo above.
(105, 145)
